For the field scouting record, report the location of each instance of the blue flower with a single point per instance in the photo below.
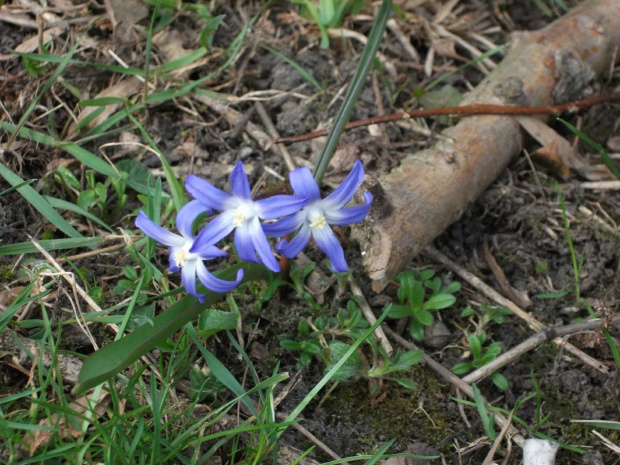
(241, 214)
(318, 214)
(182, 257)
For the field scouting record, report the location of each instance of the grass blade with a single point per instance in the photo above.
(51, 244)
(306, 75)
(596, 146)
(38, 202)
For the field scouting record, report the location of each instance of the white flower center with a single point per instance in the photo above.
(315, 216)
(244, 212)
(183, 255)
(318, 222)
(238, 221)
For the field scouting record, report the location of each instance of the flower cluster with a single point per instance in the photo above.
(304, 212)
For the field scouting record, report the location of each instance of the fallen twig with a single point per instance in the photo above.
(465, 110)
(504, 302)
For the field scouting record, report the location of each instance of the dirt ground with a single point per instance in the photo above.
(518, 217)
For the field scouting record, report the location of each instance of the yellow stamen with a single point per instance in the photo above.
(239, 217)
(180, 257)
(319, 222)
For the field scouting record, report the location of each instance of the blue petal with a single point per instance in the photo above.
(282, 227)
(262, 245)
(303, 184)
(210, 196)
(244, 245)
(239, 183)
(188, 278)
(344, 192)
(216, 284)
(155, 231)
(209, 253)
(279, 205)
(349, 215)
(292, 249)
(328, 243)
(187, 215)
(216, 230)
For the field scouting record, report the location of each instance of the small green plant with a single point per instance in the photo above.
(485, 316)
(313, 334)
(481, 356)
(203, 384)
(320, 338)
(419, 294)
(328, 13)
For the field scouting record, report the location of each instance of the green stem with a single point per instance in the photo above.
(354, 91)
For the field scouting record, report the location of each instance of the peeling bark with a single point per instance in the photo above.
(432, 188)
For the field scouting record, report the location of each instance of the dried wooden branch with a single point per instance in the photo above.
(466, 110)
(432, 188)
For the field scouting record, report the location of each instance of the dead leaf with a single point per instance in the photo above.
(32, 44)
(33, 440)
(7, 296)
(124, 15)
(548, 156)
(447, 48)
(546, 136)
(191, 150)
(614, 144)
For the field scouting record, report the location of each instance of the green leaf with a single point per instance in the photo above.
(416, 330)
(461, 368)
(406, 280)
(425, 275)
(406, 383)
(468, 312)
(408, 359)
(208, 33)
(67, 177)
(213, 321)
(424, 317)
(439, 301)
(416, 295)
(86, 199)
(399, 311)
(500, 381)
(452, 287)
(111, 359)
(552, 295)
(137, 172)
(475, 346)
(289, 344)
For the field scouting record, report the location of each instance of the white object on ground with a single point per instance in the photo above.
(539, 452)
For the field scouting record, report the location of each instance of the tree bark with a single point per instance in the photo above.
(432, 188)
